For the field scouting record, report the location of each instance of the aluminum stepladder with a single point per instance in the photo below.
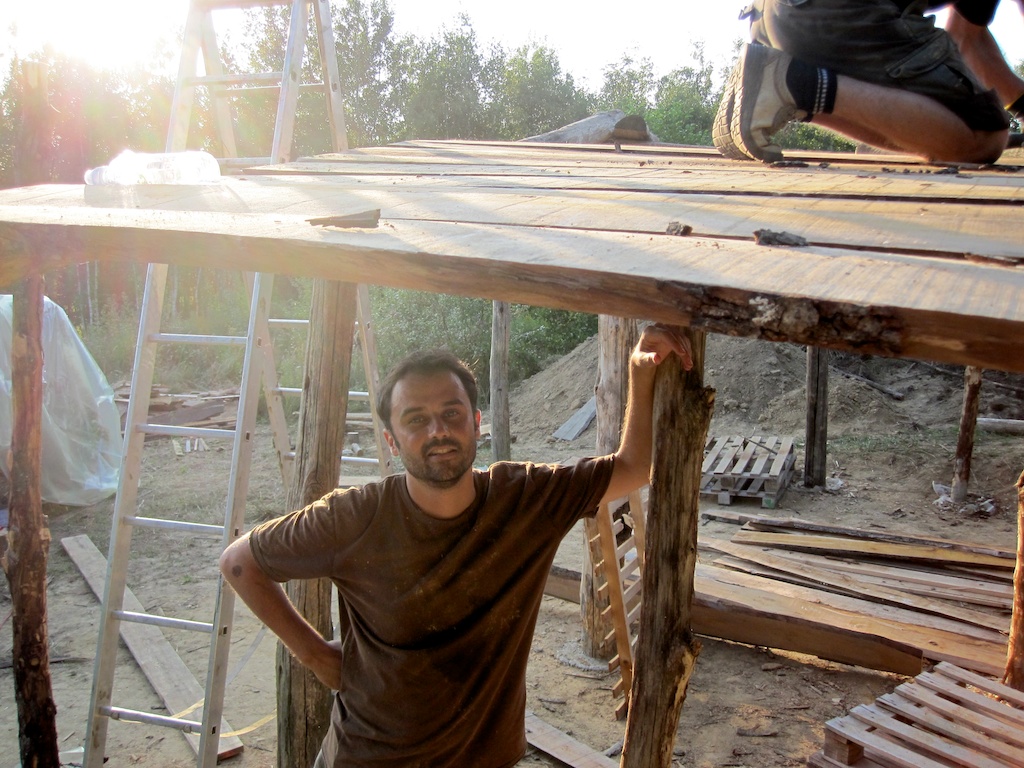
(258, 362)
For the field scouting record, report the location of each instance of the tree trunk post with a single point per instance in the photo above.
(29, 536)
(965, 438)
(816, 452)
(303, 704)
(1014, 674)
(667, 649)
(501, 327)
(616, 337)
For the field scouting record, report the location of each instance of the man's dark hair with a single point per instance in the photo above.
(424, 363)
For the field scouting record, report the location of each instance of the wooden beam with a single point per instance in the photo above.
(667, 648)
(772, 293)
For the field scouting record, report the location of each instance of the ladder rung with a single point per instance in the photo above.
(242, 90)
(202, 529)
(195, 338)
(164, 621)
(298, 391)
(286, 322)
(169, 431)
(359, 460)
(236, 79)
(119, 713)
(214, 5)
(244, 162)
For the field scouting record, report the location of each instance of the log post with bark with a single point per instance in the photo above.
(965, 438)
(29, 536)
(1014, 673)
(667, 649)
(303, 703)
(816, 429)
(501, 326)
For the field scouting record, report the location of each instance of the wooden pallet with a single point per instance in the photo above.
(749, 467)
(943, 718)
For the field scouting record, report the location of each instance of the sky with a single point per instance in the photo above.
(587, 38)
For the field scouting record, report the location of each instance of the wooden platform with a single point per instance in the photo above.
(943, 718)
(747, 467)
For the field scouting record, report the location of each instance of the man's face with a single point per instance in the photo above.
(433, 428)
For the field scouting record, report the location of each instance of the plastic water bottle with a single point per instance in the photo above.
(190, 167)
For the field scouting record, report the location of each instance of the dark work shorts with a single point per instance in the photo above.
(876, 42)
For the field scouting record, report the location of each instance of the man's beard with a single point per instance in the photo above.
(443, 474)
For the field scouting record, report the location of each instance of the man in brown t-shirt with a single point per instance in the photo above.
(440, 571)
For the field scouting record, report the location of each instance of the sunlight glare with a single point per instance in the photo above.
(106, 34)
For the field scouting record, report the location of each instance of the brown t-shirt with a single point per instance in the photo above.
(437, 615)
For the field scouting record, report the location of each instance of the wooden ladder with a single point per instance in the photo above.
(204, 726)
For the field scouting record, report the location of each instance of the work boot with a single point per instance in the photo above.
(721, 131)
(763, 102)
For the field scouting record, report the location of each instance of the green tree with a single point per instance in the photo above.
(529, 93)
(445, 99)
(629, 86)
(685, 103)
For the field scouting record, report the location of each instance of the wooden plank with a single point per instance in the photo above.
(577, 424)
(977, 721)
(994, 687)
(552, 741)
(949, 724)
(832, 544)
(878, 746)
(762, 523)
(563, 583)
(924, 741)
(971, 699)
(166, 672)
(921, 581)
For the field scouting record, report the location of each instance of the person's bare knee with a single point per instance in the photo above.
(986, 147)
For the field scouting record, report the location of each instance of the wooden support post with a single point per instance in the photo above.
(667, 648)
(1014, 674)
(501, 326)
(616, 338)
(965, 440)
(29, 537)
(303, 704)
(816, 450)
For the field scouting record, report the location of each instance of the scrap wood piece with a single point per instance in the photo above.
(929, 553)
(579, 421)
(166, 672)
(563, 747)
(804, 573)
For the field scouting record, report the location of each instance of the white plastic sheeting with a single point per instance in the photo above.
(81, 430)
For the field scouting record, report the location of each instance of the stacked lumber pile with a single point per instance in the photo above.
(866, 597)
(208, 410)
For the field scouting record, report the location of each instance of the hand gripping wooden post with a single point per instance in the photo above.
(667, 648)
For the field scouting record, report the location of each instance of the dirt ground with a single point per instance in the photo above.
(745, 706)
